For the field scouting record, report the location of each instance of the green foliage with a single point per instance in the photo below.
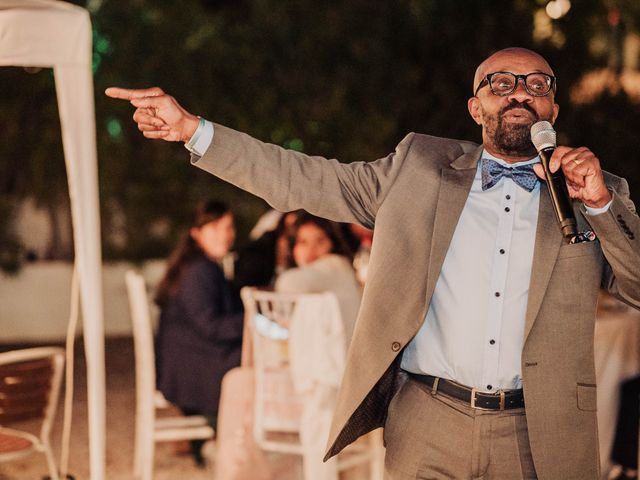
(335, 78)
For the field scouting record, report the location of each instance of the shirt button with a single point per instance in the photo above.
(497, 294)
(508, 197)
(489, 387)
(492, 341)
(507, 209)
(395, 346)
(502, 251)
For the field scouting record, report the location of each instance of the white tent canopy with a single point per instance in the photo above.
(49, 33)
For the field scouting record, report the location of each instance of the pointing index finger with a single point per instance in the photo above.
(131, 93)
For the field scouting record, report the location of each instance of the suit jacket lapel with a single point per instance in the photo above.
(545, 253)
(455, 183)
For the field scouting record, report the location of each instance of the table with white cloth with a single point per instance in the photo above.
(617, 358)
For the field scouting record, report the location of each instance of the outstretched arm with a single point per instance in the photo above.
(287, 180)
(157, 114)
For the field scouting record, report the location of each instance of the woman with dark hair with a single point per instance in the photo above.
(323, 262)
(200, 330)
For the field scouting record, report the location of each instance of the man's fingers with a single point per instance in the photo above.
(148, 102)
(576, 169)
(579, 164)
(570, 155)
(583, 174)
(115, 92)
(144, 116)
(131, 93)
(574, 185)
(143, 127)
(557, 158)
(155, 134)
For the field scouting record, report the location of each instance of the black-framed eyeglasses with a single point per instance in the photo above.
(537, 84)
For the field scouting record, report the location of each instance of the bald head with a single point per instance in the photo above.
(509, 60)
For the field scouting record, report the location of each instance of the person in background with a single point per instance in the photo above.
(262, 259)
(323, 262)
(624, 452)
(363, 252)
(199, 334)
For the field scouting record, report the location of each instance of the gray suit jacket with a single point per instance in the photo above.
(414, 198)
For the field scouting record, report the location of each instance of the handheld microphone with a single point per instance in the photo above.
(543, 137)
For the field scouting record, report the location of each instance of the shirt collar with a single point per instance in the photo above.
(486, 154)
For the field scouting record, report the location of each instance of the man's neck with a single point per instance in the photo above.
(510, 158)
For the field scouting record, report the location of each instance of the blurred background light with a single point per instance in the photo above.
(114, 128)
(558, 8)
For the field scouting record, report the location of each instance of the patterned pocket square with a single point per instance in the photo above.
(586, 236)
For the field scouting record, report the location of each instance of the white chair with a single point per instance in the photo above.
(282, 366)
(149, 428)
(29, 389)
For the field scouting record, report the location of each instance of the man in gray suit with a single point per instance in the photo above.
(474, 343)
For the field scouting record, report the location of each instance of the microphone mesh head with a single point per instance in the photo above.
(543, 135)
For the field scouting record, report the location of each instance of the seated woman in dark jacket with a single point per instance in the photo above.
(200, 331)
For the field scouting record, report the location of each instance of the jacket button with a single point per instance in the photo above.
(395, 346)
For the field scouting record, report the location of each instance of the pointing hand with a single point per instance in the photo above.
(157, 114)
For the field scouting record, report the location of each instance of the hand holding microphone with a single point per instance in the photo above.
(580, 176)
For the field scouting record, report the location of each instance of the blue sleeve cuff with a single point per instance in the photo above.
(598, 211)
(201, 139)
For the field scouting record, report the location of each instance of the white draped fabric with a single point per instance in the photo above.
(49, 33)
(317, 354)
(617, 356)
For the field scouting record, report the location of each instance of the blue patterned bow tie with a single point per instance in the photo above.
(493, 171)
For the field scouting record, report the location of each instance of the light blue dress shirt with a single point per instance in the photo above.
(474, 328)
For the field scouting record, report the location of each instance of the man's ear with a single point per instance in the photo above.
(556, 110)
(474, 109)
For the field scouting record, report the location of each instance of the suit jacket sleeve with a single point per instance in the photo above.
(290, 180)
(618, 230)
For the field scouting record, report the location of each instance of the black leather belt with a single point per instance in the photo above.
(501, 400)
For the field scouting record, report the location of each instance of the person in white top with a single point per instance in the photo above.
(323, 263)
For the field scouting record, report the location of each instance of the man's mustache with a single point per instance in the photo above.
(516, 104)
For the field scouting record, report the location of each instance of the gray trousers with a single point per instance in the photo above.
(437, 437)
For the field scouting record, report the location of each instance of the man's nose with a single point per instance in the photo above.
(520, 92)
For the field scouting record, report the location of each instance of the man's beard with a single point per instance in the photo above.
(512, 138)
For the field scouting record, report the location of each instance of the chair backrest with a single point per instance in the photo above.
(280, 363)
(268, 315)
(30, 382)
(143, 348)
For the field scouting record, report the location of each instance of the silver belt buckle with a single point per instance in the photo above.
(473, 400)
